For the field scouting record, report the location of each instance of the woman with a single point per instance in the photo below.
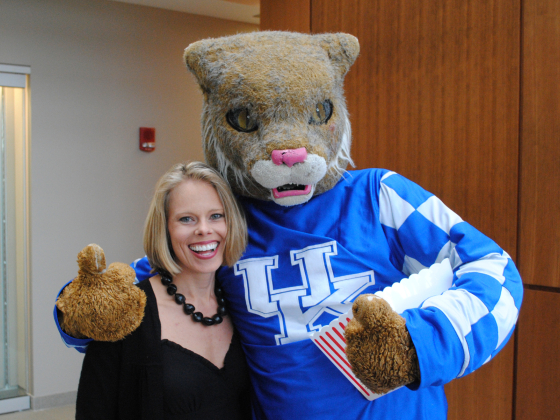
(185, 360)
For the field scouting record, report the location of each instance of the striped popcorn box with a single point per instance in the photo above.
(406, 294)
(330, 339)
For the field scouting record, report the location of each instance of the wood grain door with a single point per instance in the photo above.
(539, 233)
(538, 368)
(538, 375)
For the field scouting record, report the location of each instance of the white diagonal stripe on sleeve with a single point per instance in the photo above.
(505, 312)
(439, 214)
(393, 210)
(454, 258)
(463, 309)
(74, 346)
(492, 265)
(387, 175)
(446, 251)
(412, 266)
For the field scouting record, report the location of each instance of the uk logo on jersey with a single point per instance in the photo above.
(301, 309)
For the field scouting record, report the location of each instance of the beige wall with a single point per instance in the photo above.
(99, 71)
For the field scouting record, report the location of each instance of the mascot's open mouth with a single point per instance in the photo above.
(289, 190)
(290, 185)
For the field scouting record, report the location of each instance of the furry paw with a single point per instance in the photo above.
(379, 347)
(100, 303)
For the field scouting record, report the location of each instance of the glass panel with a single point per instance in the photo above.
(13, 334)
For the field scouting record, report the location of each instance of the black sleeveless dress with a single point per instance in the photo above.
(195, 389)
(143, 377)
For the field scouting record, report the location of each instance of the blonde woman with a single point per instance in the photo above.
(185, 360)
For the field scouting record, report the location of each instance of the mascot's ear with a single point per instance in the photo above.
(197, 56)
(343, 49)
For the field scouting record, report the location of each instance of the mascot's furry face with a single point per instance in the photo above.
(274, 121)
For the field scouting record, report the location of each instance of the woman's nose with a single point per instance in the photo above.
(203, 228)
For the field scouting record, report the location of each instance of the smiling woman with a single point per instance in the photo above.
(178, 363)
(197, 229)
(156, 237)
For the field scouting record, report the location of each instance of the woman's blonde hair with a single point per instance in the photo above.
(157, 243)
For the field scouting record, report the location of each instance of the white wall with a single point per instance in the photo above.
(99, 71)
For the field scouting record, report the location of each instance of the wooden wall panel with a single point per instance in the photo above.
(286, 15)
(539, 233)
(538, 370)
(434, 95)
(469, 397)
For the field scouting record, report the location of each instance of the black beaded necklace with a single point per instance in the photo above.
(190, 309)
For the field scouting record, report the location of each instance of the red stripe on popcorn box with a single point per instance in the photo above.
(330, 340)
(349, 375)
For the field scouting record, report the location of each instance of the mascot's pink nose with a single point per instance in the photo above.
(289, 156)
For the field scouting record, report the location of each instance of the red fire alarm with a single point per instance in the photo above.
(147, 139)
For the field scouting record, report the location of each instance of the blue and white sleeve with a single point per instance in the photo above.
(142, 268)
(457, 332)
(79, 344)
(143, 271)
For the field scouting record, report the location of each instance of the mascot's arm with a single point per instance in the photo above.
(80, 344)
(141, 267)
(457, 332)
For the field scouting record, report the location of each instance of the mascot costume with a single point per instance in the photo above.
(275, 125)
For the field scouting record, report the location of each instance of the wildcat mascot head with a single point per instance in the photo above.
(274, 120)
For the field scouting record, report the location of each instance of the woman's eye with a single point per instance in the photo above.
(186, 219)
(241, 120)
(216, 216)
(322, 113)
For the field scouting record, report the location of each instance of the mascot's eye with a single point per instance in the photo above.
(323, 112)
(241, 120)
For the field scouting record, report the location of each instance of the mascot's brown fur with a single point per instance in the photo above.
(101, 304)
(379, 347)
(266, 92)
(287, 82)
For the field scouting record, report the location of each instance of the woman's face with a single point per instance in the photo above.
(197, 227)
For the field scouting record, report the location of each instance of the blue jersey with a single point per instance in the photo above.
(306, 264)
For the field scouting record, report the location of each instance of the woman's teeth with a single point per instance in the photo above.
(203, 248)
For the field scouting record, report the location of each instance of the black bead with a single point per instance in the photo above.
(207, 321)
(171, 289)
(189, 308)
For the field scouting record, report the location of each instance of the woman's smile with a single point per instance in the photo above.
(205, 250)
(197, 227)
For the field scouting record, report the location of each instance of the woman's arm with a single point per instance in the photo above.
(98, 391)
